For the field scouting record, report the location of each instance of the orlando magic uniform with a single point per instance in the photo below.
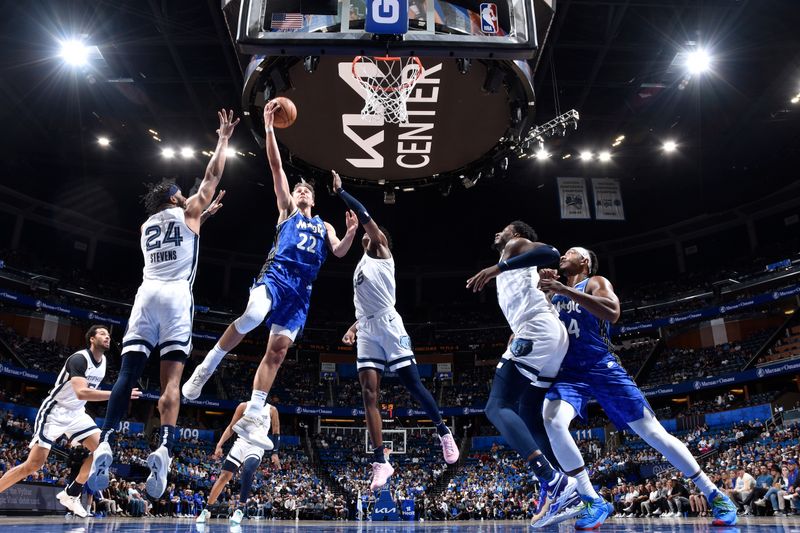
(382, 339)
(62, 413)
(540, 340)
(162, 312)
(243, 448)
(297, 254)
(590, 368)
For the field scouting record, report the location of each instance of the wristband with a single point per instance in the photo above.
(276, 443)
(270, 129)
(502, 265)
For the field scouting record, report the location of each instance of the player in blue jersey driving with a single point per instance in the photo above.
(281, 293)
(587, 305)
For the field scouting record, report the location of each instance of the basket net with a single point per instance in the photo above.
(388, 82)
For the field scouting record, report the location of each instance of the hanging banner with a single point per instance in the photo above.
(607, 199)
(573, 198)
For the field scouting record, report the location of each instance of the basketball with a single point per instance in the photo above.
(287, 114)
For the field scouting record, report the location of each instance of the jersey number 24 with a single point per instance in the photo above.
(172, 235)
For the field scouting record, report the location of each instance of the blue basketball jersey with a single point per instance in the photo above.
(299, 249)
(588, 336)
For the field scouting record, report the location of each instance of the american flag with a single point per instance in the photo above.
(287, 21)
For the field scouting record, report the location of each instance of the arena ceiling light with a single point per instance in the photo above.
(230, 151)
(103, 141)
(698, 61)
(74, 52)
(187, 152)
(586, 155)
(669, 146)
(604, 156)
(168, 153)
(542, 153)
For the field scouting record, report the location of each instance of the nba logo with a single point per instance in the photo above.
(488, 18)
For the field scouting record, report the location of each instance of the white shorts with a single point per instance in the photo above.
(382, 342)
(241, 450)
(539, 349)
(161, 318)
(56, 421)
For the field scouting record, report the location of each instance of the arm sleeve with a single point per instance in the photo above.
(76, 366)
(539, 256)
(355, 205)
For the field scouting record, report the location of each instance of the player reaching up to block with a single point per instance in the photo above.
(530, 364)
(281, 293)
(243, 456)
(162, 313)
(63, 413)
(587, 305)
(382, 341)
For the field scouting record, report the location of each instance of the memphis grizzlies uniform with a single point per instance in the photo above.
(590, 368)
(243, 448)
(540, 340)
(162, 312)
(297, 254)
(62, 413)
(382, 340)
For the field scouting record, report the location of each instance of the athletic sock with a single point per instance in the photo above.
(442, 429)
(585, 487)
(256, 404)
(213, 357)
(542, 469)
(168, 439)
(704, 485)
(378, 455)
(74, 489)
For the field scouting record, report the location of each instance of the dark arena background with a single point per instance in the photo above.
(662, 135)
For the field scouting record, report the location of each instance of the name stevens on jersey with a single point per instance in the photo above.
(570, 306)
(160, 257)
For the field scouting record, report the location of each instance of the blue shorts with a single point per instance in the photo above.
(609, 384)
(290, 295)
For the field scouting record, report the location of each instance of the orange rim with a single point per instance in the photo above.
(378, 88)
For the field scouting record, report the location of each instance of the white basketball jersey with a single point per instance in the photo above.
(373, 285)
(79, 364)
(520, 298)
(169, 247)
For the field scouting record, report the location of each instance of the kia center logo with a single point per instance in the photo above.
(697, 385)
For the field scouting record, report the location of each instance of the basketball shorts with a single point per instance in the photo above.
(382, 342)
(290, 296)
(241, 450)
(538, 350)
(609, 384)
(161, 318)
(53, 421)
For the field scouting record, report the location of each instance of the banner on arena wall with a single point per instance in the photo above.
(125, 426)
(573, 199)
(444, 367)
(708, 312)
(408, 510)
(327, 367)
(607, 199)
(385, 508)
(31, 497)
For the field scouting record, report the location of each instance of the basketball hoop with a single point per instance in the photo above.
(388, 82)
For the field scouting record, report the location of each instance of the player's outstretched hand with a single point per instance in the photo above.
(350, 221)
(552, 285)
(136, 394)
(226, 123)
(548, 273)
(269, 113)
(276, 461)
(349, 337)
(479, 280)
(337, 181)
(215, 204)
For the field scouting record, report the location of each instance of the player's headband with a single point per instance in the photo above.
(172, 191)
(583, 252)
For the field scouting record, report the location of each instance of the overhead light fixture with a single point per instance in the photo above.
(586, 155)
(389, 197)
(619, 138)
(670, 146)
(230, 151)
(542, 153)
(187, 152)
(74, 52)
(698, 61)
(408, 189)
(156, 138)
(153, 132)
(566, 156)
(604, 156)
(795, 99)
(103, 141)
(168, 153)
